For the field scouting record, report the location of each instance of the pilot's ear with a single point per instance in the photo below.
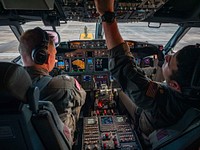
(48, 61)
(174, 85)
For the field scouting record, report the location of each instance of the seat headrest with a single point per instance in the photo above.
(14, 82)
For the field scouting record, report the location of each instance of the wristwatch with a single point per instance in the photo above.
(108, 17)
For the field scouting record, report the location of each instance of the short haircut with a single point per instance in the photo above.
(30, 40)
(187, 59)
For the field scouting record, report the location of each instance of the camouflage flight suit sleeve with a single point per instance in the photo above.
(161, 104)
(131, 78)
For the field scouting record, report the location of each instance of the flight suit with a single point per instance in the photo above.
(161, 106)
(64, 92)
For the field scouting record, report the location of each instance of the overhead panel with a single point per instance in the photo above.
(126, 10)
(28, 4)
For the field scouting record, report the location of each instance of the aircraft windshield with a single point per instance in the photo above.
(138, 31)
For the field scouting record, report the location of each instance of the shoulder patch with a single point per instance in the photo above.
(77, 84)
(152, 89)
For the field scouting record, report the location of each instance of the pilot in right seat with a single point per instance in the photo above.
(162, 104)
(38, 55)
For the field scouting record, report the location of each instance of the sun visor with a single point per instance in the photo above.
(28, 4)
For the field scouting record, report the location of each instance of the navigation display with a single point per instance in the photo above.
(101, 64)
(63, 64)
(146, 62)
(78, 65)
(106, 120)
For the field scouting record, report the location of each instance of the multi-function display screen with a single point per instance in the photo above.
(144, 62)
(63, 64)
(78, 65)
(101, 64)
(106, 120)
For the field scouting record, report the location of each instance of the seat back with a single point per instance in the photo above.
(16, 130)
(52, 131)
(26, 123)
(182, 135)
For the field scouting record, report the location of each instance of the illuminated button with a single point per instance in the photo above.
(95, 147)
(104, 145)
(106, 135)
(97, 112)
(88, 147)
(115, 143)
(100, 104)
(112, 112)
(104, 112)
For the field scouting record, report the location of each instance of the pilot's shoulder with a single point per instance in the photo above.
(154, 88)
(63, 77)
(63, 81)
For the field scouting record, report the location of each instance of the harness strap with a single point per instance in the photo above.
(42, 82)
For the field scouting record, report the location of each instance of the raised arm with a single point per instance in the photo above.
(122, 67)
(112, 34)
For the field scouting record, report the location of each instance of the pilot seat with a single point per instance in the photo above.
(25, 122)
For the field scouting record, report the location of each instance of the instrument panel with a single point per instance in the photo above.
(88, 60)
(82, 64)
(88, 66)
(81, 61)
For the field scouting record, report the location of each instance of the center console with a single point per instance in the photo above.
(106, 127)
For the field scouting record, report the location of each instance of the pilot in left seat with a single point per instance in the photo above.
(38, 55)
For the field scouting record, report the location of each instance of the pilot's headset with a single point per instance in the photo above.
(39, 54)
(193, 92)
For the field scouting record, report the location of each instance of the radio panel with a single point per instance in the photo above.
(109, 132)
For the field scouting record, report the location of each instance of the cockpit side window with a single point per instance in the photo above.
(8, 44)
(190, 38)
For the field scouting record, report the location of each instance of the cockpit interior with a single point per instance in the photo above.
(106, 120)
